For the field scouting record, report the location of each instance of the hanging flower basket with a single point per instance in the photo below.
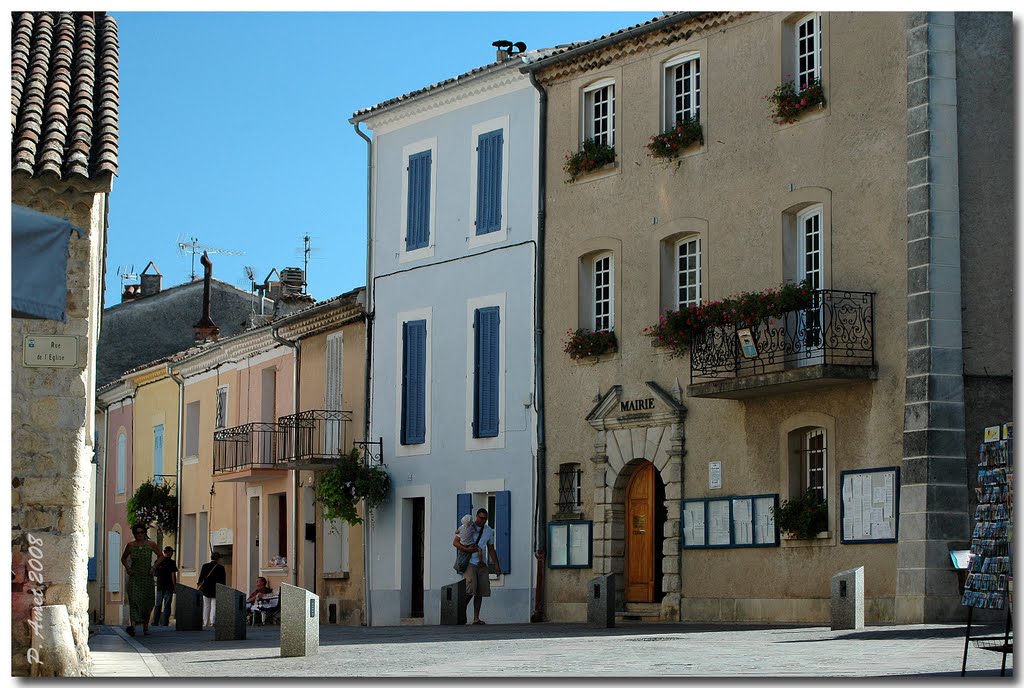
(584, 343)
(592, 156)
(788, 103)
(803, 517)
(670, 143)
(676, 330)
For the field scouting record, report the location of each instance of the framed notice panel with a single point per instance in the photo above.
(870, 507)
(569, 543)
(747, 521)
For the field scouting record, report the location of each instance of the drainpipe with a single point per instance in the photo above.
(368, 321)
(294, 346)
(181, 443)
(541, 523)
(101, 544)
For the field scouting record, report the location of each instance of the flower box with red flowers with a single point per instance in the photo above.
(670, 143)
(584, 343)
(803, 516)
(591, 157)
(788, 103)
(677, 329)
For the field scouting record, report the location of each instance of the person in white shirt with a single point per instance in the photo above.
(478, 582)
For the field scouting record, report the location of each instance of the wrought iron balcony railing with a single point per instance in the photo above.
(253, 445)
(314, 436)
(837, 329)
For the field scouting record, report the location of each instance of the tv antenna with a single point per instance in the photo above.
(195, 248)
(126, 272)
(308, 253)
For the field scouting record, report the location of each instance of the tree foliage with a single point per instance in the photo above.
(153, 505)
(340, 489)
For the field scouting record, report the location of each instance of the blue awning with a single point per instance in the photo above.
(39, 264)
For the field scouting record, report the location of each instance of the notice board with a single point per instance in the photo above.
(870, 507)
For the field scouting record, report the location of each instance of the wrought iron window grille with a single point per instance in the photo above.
(570, 489)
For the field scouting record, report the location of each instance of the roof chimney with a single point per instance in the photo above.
(150, 281)
(130, 292)
(206, 329)
(508, 49)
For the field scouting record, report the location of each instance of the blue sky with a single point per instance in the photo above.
(234, 128)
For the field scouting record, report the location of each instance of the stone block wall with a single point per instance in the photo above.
(52, 419)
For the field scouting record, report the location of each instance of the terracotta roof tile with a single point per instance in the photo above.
(64, 93)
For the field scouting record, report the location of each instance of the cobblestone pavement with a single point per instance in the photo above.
(564, 650)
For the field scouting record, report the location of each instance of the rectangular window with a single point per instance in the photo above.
(203, 538)
(277, 526)
(418, 201)
(488, 182)
(682, 90)
(122, 462)
(570, 488)
(192, 429)
(158, 454)
(810, 247)
(599, 114)
(222, 407)
(814, 463)
(486, 324)
(188, 542)
(333, 374)
(414, 381)
(602, 285)
(336, 538)
(114, 561)
(688, 272)
(808, 51)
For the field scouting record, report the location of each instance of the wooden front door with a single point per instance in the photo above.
(640, 535)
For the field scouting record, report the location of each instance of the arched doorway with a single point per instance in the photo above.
(645, 518)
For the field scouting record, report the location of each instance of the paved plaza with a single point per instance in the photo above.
(555, 650)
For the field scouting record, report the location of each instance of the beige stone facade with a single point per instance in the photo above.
(740, 193)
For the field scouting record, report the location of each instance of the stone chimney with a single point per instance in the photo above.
(206, 329)
(150, 281)
(130, 293)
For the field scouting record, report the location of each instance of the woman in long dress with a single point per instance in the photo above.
(138, 560)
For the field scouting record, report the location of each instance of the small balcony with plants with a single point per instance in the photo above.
(773, 342)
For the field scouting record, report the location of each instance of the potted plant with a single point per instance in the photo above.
(340, 489)
(583, 343)
(676, 329)
(788, 103)
(677, 138)
(803, 516)
(592, 156)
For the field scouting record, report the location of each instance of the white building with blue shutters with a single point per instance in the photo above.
(451, 277)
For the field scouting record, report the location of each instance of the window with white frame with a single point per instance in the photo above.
(602, 293)
(192, 429)
(807, 37)
(599, 113)
(809, 246)
(419, 191)
(277, 527)
(682, 89)
(122, 462)
(336, 538)
(222, 407)
(687, 273)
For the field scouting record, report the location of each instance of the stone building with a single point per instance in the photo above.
(64, 93)
(887, 197)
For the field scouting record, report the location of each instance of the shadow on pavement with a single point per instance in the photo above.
(902, 633)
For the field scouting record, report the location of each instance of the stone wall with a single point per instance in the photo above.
(52, 421)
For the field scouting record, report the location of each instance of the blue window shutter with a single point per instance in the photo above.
(488, 185)
(503, 528)
(414, 378)
(486, 384)
(463, 506)
(417, 229)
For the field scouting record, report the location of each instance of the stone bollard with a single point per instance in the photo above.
(601, 601)
(188, 608)
(53, 643)
(453, 604)
(230, 623)
(848, 600)
(300, 622)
